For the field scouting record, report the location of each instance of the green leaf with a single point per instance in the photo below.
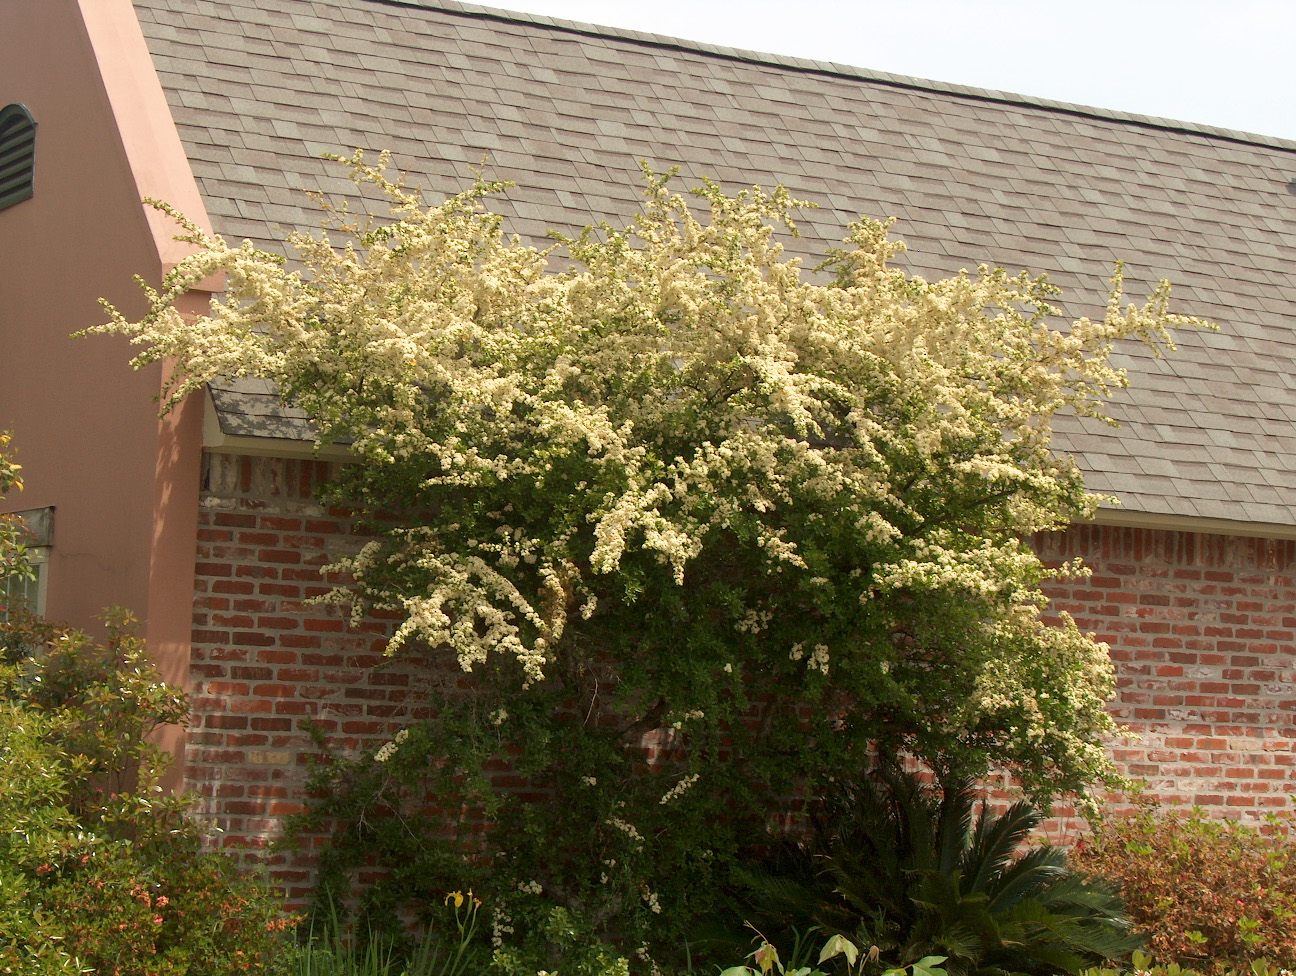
(839, 945)
(929, 966)
(767, 958)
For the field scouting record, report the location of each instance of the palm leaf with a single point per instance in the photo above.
(1028, 875)
(1049, 937)
(994, 841)
(958, 801)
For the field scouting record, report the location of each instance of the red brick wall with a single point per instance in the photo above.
(265, 659)
(1201, 631)
(1200, 628)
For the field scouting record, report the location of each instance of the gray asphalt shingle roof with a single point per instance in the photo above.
(259, 88)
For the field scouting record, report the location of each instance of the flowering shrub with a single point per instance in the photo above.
(704, 528)
(100, 871)
(1209, 894)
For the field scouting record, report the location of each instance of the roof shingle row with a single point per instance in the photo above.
(259, 88)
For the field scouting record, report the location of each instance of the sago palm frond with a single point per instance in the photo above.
(916, 868)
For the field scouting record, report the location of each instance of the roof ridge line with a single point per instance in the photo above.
(810, 66)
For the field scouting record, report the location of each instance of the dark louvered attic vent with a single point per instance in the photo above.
(17, 154)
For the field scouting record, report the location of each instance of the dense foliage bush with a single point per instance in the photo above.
(100, 870)
(907, 865)
(705, 529)
(1208, 893)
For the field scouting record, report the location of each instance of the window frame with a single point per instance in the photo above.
(37, 542)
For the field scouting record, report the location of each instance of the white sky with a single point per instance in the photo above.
(1229, 63)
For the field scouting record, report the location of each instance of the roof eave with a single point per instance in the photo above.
(216, 440)
(1127, 518)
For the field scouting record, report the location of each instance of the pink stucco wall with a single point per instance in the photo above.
(85, 427)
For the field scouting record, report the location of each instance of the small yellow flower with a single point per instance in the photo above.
(457, 897)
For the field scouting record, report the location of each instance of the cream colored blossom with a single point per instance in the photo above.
(679, 789)
(629, 829)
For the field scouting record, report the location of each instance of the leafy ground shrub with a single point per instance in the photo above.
(543, 910)
(1209, 894)
(802, 962)
(911, 868)
(331, 950)
(460, 940)
(100, 870)
(1141, 964)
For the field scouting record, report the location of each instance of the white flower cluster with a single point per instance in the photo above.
(388, 749)
(650, 899)
(501, 926)
(819, 659)
(646, 957)
(628, 829)
(679, 789)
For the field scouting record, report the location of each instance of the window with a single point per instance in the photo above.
(26, 592)
(17, 154)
